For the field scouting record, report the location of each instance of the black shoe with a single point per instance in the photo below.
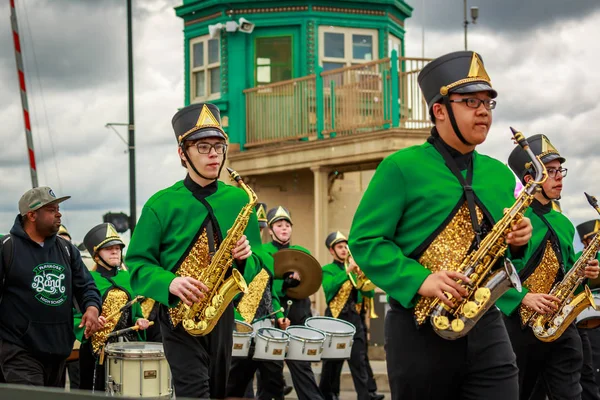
(287, 390)
(376, 396)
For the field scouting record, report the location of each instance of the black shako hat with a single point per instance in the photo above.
(334, 238)
(261, 214)
(198, 121)
(277, 214)
(541, 146)
(589, 228)
(458, 72)
(100, 236)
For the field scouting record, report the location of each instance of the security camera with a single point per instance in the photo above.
(474, 14)
(214, 30)
(246, 26)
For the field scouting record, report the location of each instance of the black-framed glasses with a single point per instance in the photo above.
(474, 102)
(205, 148)
(553, 171)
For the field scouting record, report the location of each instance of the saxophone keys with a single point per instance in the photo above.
(458, 325)
(217, 300)
(482, 295)
(441, 322)
(558, 321)
(469, 310)
(210, 312)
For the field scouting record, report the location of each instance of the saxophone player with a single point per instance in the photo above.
(425, 209)
(547, 258)
(106, 248)
(180, 229)
(342, 300)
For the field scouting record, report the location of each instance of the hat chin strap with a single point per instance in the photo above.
(103, 262)
(189, 161)
(446, 102)
(277, 238)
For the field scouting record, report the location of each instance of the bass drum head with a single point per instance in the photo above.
(331, 326)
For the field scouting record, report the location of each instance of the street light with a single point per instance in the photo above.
(474, 16)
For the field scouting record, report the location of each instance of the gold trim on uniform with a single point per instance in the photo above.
(115, 299)
(195, 261)
(596, 229)
(447, 251)
(250, 301)
(477, 73)
(147, 306)
(541, 280)
(261, 213)
(339, 301)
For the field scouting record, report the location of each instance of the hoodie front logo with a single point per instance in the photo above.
(49, 284)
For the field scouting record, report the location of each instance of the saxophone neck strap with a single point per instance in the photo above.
(210, 234)
(465, 183)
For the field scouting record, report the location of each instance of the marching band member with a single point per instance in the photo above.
(342, 301)
(258, 304)
(547, 258)
(180, 228)
(280, 229)
(425, 209)
(106, 247)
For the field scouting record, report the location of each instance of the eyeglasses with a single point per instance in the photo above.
(205, 148)
(474, 102)
(553, 171)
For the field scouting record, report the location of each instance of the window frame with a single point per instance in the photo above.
(207, 67)
(255, 56)
(348, 59)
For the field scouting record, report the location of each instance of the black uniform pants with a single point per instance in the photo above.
(304, 381)
(590, 388)
(199, 364)
(332, 369)
(421, 365)
(88, 366)
(594, 336)
(556, 364)
(21, 367)
(270, 377)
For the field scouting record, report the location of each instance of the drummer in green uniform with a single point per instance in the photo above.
(106, 247)
(343, 301)
(546, 259)
(280, 224)
(425, 209)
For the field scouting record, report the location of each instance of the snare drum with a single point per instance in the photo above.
(270, 344)
(242, 338)
(137, 369)
(590, 318)
(339, 336)
(306, 344)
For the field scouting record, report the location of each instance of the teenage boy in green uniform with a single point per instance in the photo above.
(180, 228)
(279, 220)
(547, 258)
(342, 300)
(416, 223)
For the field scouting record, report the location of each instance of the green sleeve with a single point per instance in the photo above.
(332, 281)
(77, 316)
(148, 277)
(372, 237)
(276, 303)
(237, 316)
(510, 300)
(369, 293)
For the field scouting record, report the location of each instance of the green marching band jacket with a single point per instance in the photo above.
(165, 235)
(413, 218)
(260, 281)
(549, 255)
(116, 290)
(339, 289)
(270, 248)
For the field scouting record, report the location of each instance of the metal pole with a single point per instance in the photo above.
(466, 23)
(132, 199)
(24, 103)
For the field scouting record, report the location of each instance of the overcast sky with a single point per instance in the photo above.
(541, 55)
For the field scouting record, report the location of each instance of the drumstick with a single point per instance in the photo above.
(289, 305)
(126, 306)
(268, 315)
(126, 330)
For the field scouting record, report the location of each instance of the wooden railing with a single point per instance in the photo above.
(373, 96)
(281, 111)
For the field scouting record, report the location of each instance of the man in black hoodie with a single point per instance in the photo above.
(43, 276)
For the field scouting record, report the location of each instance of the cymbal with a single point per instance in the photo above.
(309, 269)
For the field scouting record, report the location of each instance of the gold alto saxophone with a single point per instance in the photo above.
(549, 327)
(360, 281)
(486, 286)
(201, 318)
